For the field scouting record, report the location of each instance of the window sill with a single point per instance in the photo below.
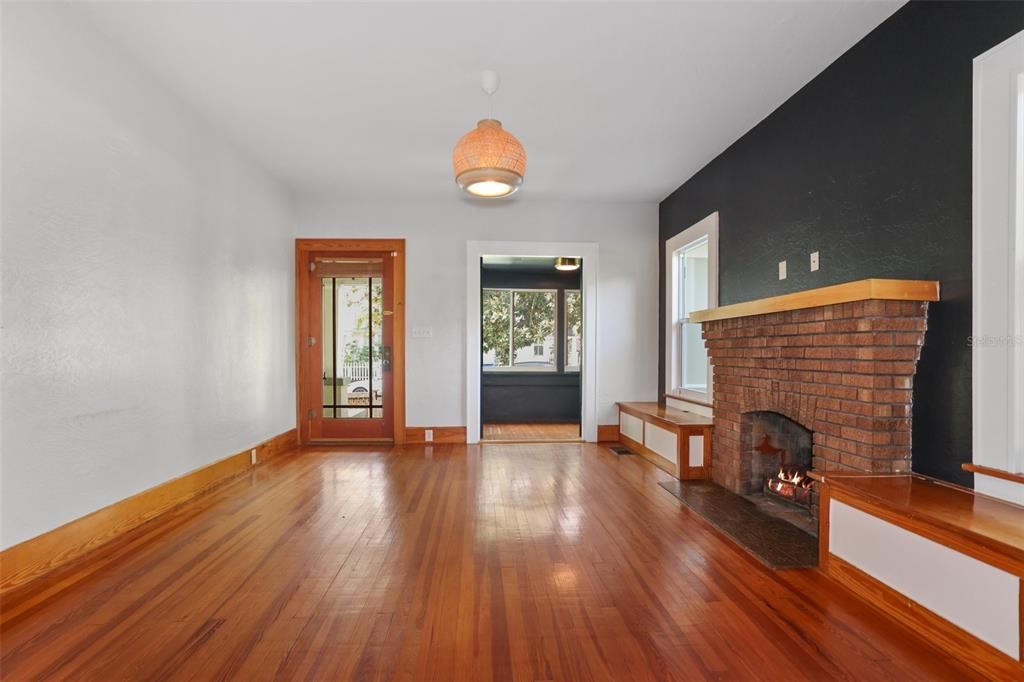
(696, 401)
(524, 370)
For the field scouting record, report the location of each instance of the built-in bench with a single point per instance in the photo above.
(941, 559)
(678, 442)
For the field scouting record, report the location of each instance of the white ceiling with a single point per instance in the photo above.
(613, 101)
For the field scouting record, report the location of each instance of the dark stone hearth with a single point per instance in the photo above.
(776, 543)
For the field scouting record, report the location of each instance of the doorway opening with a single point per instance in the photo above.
(349, 347)
(531, 348)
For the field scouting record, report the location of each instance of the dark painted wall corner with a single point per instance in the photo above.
(870, 164)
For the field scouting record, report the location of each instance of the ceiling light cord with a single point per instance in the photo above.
(490, 81)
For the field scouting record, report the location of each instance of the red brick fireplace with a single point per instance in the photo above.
(837, 361)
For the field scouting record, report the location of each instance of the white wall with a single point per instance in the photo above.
(147, 280)
(436, 234)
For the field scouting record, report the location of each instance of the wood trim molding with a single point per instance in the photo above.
(607, 433)
(648, 454)
(994, 473)
(944, 634)
(303, 249)
(957, 642)
(983, 549)
(443, 435)
(38, 556)
(681, 399)
(668, 418)
(860, 290)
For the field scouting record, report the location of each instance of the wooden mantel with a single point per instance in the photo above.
(860, 290)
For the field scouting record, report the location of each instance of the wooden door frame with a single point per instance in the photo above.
(308, 248)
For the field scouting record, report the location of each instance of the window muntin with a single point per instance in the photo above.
(573, 329)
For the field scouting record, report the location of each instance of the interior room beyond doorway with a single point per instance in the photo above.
(531, 347)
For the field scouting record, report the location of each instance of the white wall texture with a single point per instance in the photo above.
(147, 281)
(437, 232)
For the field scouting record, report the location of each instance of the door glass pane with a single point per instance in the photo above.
(376, 318)
(352, 339)
(327, 346)
(573, 330)
(533, 329)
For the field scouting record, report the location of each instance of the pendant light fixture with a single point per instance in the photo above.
(489, 162)
(567, 264)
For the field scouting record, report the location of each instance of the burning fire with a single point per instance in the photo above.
(794, 477)
(792, 484)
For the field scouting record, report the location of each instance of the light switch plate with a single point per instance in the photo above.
(428, 435)
(782, 269)
(422, 332)
(252, 456)
(814, 261)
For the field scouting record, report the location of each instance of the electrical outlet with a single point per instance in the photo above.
(782, 269)
(252, 456)
(428, 435)
(422, 332)
(814, 261)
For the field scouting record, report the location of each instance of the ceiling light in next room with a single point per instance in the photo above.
(489, 161)
(567, 264)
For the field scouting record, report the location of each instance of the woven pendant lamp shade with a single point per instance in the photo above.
(489, 161)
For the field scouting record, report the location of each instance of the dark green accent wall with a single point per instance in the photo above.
(870, 164)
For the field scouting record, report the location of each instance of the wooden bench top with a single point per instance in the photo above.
(666, 415)
(987, 521)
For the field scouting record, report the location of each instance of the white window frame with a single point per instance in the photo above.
(566, 367)
(706, 229)
(511, 332)
(997, 335)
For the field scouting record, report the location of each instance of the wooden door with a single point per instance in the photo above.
(347, 334)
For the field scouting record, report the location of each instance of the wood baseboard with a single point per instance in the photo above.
(953, 640)
(650, 455)
(416, 435)
(608, 433)
(38, 556)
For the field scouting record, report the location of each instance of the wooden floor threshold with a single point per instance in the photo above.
(523, 441)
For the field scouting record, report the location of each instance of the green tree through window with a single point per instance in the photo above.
(514, 322)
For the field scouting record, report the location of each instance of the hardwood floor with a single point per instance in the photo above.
(494, 562)
(520, 432)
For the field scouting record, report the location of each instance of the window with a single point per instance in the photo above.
(518, 329)
(692, 294)
(692, 265)
(573, 329)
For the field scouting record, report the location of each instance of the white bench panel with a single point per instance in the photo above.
(979, 598)
(631, 427)
(696, 458)
(661, 441)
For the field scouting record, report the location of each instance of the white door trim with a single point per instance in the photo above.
(997, 337)
(588, 251)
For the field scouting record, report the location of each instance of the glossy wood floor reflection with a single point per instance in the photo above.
(499, 562)
(533, 431)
